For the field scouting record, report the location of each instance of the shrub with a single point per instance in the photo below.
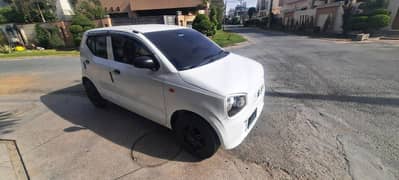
(381, 11)
(235, 20)
(75, 29)
(378, 21)
(55, 40)
(80, 23)
(5, 49)
(203, 24)
(42, 36)
(48, 37)
(359, 23)
(252, 22)
(264, 20)
(3, 39)
(82, 20)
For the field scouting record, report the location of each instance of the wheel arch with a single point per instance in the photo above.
(86, 79)
(179, 113)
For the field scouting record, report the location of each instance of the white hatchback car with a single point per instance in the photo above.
(178, 78)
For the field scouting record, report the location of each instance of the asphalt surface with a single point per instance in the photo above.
(331, 112)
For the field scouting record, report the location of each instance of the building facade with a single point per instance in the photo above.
(323, 14)
(263, 7)
(134, 8)
(64, 10)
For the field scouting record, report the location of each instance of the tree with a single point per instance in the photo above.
(35, 10)
(91, 9)
(213, 17)
(251, 12)
(349, 9)
(204, 25)
(9, 14)
(80, 23)
(219, 16)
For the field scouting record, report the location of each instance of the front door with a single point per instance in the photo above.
(139, 90)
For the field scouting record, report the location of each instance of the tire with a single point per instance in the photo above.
(94, 96)
(196, 136)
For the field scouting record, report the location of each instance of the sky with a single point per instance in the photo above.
(233, 3)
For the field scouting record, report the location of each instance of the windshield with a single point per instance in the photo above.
(186, 48)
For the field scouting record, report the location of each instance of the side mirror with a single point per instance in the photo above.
(145, 62)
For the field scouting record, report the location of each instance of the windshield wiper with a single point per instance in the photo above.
(211, 58)
(214, 55)
(207, 59)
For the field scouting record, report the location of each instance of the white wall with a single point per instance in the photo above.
(393, 8)
(64, 10)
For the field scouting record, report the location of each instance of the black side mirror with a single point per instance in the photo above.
(145, 62)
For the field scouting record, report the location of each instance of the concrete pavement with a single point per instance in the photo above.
(331, 112)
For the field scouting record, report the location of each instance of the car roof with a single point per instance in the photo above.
(140, 28)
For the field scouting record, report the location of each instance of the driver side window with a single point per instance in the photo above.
(126, 49)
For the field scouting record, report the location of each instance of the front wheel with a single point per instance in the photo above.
(197, 136)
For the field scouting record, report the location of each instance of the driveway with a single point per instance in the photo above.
(331, 112)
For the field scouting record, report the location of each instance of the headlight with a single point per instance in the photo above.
(235, 104)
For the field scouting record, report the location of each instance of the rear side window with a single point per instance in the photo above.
(98, 46)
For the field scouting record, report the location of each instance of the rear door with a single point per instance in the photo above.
(139, 90)
(96, 62)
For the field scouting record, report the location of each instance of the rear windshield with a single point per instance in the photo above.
(186, 48)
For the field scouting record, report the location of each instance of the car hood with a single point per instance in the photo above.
(229, 75)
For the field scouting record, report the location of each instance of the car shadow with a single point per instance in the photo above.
(7, 121)
(127, 129)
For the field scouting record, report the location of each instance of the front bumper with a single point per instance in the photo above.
(235, 130)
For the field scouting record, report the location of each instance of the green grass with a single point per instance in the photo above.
(30, 53)
(225, 38)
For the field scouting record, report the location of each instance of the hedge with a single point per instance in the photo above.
(378, 21)
(359, 22)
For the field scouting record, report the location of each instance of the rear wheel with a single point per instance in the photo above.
(93, 94)
(196, 136)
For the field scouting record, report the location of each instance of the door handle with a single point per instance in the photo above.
(116, 71)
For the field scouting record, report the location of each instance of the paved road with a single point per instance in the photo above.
(333, 107)
(331, 112)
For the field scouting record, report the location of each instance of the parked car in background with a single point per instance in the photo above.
(178, 78)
